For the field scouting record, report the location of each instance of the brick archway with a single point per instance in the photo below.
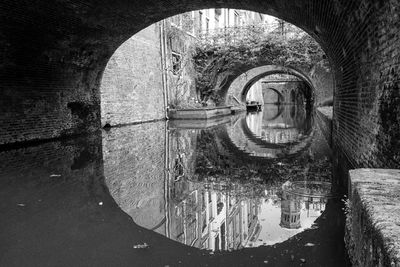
(240, 86)
(54, 55)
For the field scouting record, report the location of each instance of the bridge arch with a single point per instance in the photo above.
(243, 83)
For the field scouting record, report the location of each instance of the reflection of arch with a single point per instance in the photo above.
(249, 146)
(279, 111)
(243, 82)
(280, 97)
(250, 135)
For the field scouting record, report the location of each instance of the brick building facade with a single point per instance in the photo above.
(153, 71)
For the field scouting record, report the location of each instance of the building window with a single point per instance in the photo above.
(200, 20)
(177, 21)
(236, 19)
(216, 21)
(176, 63)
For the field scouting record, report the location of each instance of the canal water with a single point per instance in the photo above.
(253, 189)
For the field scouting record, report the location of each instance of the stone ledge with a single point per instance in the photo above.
(326, 111)
(199, 124)
(324, 119)
(199, 114)
(373, 221)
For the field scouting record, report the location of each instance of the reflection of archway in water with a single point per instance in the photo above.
(269, 116)
(264, 143)
(313, 194)
(242, 141)
(176, 208)
(284, 118)
(285, 115)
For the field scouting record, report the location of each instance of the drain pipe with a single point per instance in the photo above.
(167, 181)
(164, 69)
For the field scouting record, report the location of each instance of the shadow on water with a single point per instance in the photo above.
(255, 190)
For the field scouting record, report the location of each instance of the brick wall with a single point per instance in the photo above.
(323, 82)
(367, 105)
(181, 83)
(132, 86)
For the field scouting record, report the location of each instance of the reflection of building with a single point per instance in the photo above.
(304, 195)
(210, 219)
(290, 211)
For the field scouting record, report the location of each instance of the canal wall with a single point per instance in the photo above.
(324, 121)
(141, 78)
(134, 165)
(132, 91)
(373, 226)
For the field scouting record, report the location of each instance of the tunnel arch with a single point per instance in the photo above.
(54, 59)
(243, 82)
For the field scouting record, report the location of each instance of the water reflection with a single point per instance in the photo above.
(197, 193)
(211, 216)
(82, 201)
(278, 131)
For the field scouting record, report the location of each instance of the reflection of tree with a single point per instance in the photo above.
(178, 167)
(217, 160)
(183, 153)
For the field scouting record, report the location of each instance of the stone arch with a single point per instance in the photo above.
(242, 84)
(53, 60)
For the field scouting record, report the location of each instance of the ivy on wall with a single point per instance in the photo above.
(219, 56)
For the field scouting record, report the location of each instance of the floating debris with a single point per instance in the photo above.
(303, 260)
(141, 246)
(101, 203)
(266, 262)
(309, 245)
(21, 204)
(55, 175)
